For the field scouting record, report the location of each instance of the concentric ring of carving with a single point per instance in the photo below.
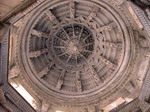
(74, 49)
(82, 54)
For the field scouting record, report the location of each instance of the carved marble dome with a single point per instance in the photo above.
(76, 53)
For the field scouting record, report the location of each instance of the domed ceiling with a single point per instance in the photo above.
(76, 53)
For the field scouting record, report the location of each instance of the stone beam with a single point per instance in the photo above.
(108, 27)
(34, 54)
(39, 33)
(45, 70)
(61, 79)
(107, 62)
(52, 17)
(72, 9)
(93, 13)
(78, 82)
(95, 76)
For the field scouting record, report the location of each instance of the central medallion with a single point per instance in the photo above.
(74, 47)
(73, 44)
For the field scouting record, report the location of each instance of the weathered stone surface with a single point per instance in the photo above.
(82, 54)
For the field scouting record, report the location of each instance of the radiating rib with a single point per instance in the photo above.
(45, 70)
(107, 62)
(72, 9)
(38, 53)
(86, 51)
(69, 57)
(106, 27)
(87, 37)
(51, 16)
(93, 13)
(78, 82)
(61, 40)
(95, 76)
(111, 44)
(81, 33)
(82, 56)
(61, 79)
(88, 44)
(76, 58)
(39, 33)
(66, 34)
(62, 54)
(73, 30)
